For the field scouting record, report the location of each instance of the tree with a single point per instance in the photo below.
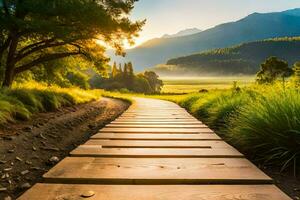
(130, 69)
(272, 69)
(155, 83)
(33, 32)
(114, 71)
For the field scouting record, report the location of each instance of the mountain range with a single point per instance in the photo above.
(254, 27)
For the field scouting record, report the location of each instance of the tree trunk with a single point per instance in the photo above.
(8, 76)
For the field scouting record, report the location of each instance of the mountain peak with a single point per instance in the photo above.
(185, 32)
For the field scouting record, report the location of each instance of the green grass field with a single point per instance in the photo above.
(194, 84)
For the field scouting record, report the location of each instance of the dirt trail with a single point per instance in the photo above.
(29, 149)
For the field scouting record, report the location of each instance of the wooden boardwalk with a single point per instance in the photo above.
(155, 151)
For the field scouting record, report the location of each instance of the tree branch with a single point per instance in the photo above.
(38, 48)
(43, 59)
(35, 45)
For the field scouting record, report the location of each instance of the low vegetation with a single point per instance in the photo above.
(23, 100)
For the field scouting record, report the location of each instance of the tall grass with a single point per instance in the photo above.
(263, 121)
(23, 100)
(270, 127)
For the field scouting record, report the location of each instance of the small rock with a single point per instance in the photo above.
(88, 194)
(27, 129)
(296, 189)
(25, 172)
(25, 186)
(2, 189)
(7, 169)
(54, 160)
(11, 151)
(28, 162)
(19, 159)
(34, 148)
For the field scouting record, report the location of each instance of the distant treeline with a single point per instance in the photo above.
(125, 80)
(242, 59)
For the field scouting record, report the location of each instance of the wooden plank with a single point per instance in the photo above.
(95, 170)
(156, 144)
(158, 117)
(140, 136)
(155, 123)
(156, 120)
(155, 130)
(95, 151)
(155, 192)
(155, 126)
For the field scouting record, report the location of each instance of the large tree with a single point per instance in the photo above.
(33, 32)
(272, 69)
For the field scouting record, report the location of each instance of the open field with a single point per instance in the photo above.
(194, 84)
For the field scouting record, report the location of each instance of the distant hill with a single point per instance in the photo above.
(243, 59)
(254, 27)
(185, 32)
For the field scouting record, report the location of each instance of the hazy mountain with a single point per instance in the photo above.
(243, 59)
(185, 32)
(254, 27)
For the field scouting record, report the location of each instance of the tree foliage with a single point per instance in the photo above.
(33, 32)
(125, 79)
(272, 69)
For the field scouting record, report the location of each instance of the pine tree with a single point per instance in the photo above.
(130, 69)
(120, 68)
(125, 68)
(114, 71)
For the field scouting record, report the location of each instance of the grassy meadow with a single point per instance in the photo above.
(181, 85)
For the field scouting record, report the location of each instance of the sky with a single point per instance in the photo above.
(171, 16)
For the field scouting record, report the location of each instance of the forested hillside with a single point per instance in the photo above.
(242, 59)
(257, 26)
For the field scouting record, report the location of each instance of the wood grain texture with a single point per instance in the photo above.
(155, 126)
(170, 137)
(157, 144)
(155, 130)
(155, 192)
(156, 171)
(95, 151)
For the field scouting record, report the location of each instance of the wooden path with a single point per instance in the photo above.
(155, 151)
